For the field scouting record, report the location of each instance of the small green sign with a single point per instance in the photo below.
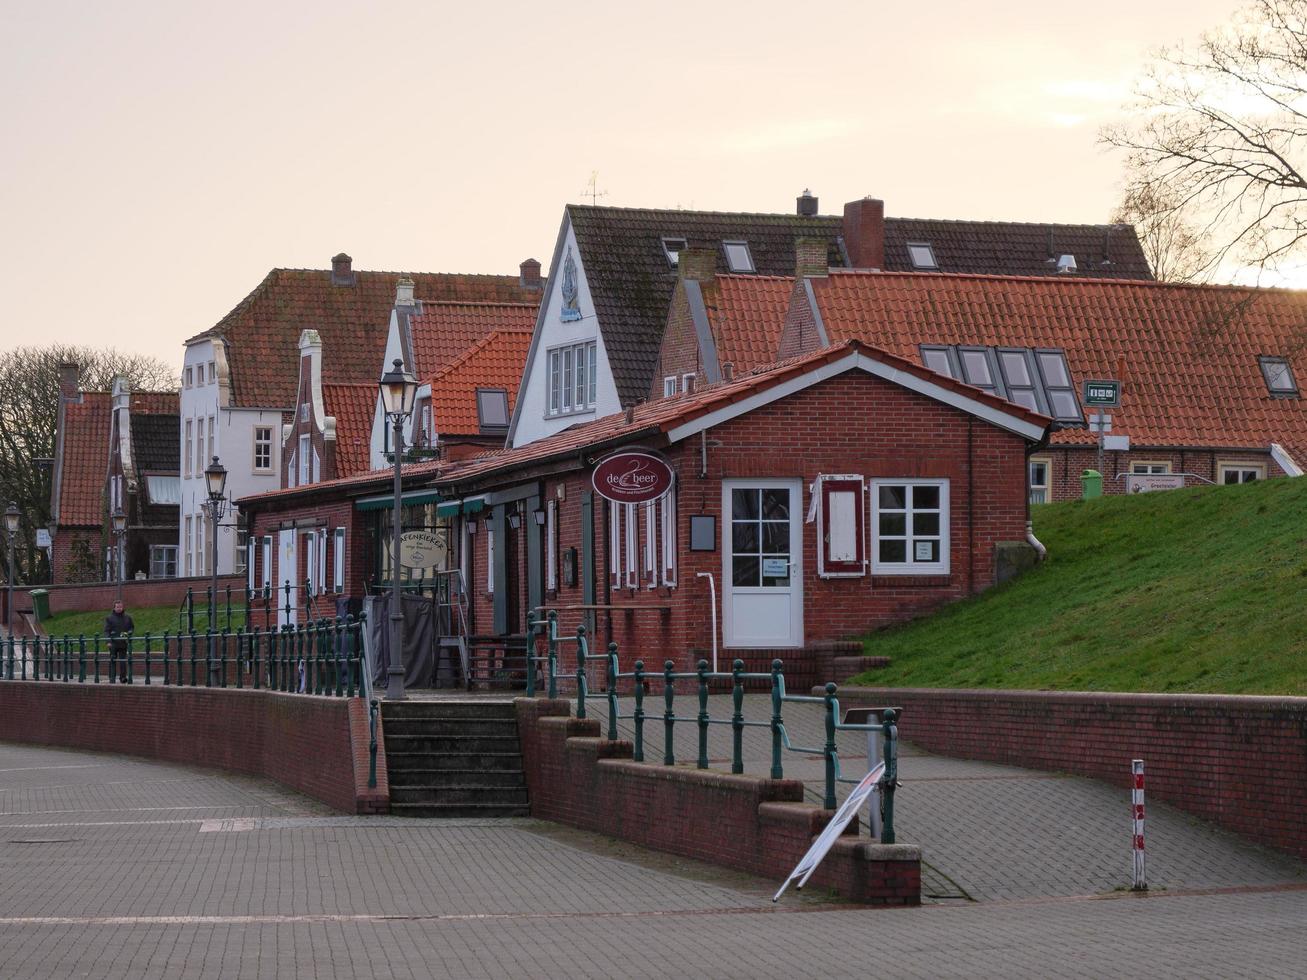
(1103, 394)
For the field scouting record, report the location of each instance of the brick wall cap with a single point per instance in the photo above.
(867, 851)
(875, 696)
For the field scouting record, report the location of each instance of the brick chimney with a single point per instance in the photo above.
(70, 376)
(342, 270)
(404, 292)
(529, 276)
(806, 204)
(699, 264)
(864, 233)
(810, 258)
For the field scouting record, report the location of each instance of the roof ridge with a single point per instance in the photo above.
(714, 214)
(1009, 224)
(476, 348)
(1066, 280)
(486, 303)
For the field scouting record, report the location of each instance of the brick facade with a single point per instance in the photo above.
(1240, 761)
(1069, 462)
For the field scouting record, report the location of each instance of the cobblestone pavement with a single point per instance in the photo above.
(114, 867)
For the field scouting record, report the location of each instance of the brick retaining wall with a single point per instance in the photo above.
(1239, 761)
(137, 594)
(318, 746)
(743, 822)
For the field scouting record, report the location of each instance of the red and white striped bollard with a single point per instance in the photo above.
(1137, 814)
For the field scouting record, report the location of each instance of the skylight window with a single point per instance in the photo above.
(922, 255)
(976, 368)
(1037, 379)
(672, 248)
(492, 408)
(1019, 376)
(738, 258)
(1279, 377)
(1062, 402)
(938, 359)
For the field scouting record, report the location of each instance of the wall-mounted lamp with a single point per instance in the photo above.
(539, 515)
(471, 526)
(514, 519)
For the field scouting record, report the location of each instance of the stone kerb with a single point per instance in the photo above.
(744, 822)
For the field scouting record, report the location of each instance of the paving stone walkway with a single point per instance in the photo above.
(123, 868)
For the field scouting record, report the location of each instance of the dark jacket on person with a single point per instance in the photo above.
(117, 625)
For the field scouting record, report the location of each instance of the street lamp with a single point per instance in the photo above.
(399, 389)
(11, 529)
(119, 520)
(215, 481)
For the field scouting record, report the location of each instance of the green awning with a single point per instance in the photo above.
(410, 499)
(474, 505)
(448, 508)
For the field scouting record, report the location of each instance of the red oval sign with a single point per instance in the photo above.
(632, 477)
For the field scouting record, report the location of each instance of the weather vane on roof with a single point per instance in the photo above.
(592, 190)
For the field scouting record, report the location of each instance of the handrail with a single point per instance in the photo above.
(737, 676)
(324, 658)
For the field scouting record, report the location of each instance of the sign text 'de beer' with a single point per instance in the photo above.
(632, 477)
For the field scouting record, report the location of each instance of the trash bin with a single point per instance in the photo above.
(1091, 484)
(41, 604)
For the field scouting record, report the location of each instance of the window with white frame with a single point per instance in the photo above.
(213, 435)
(241, 556)
(910, 527)
(251, 562)
(669, 386)
(262, 448)
(213, 374)
(186, 541)
(551, 545)
(572, 378)
(642, 543)
(266, 572)
(490, 560)
(322, 560)
(1229, 474)
(199, 447)
(163, 561)
(305, 461)
(1040, 469)
(190, 377)
(922, 255)
(1150, 467)
(186, 456)
(687, 383)
(200, 567)
(199, 374)
(338, 561)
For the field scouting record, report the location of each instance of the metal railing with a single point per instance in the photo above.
(704, 679)
(325, 658)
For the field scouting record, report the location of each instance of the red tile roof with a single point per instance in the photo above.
(353, 407)
(647, 418)
(496, 362)
(84, 460)
(262, 332)
(745, 315)
(1190, 353)
(444, 332)
(156, 402)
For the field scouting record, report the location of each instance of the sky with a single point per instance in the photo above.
(157, 159)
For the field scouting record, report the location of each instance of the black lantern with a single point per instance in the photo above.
(539, 515)
(11, 518)
(215, 478)
(399, 390)
(119, 521)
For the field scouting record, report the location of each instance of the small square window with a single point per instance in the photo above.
(672, 248)
(492, 408)
(738, 258)
(1279, 377)
(669, 386)
(922, 255)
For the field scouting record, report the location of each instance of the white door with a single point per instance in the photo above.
(762, 556)
(287, 571)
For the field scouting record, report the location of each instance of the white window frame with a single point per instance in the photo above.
(667, 514)
(321, 585)
(199, 375)
(632, 536)
(551, 545)
(186, 539)
(213, 429)
(939, 567)
(190, 377)
(267, 565)
(932, 265)
(651, 544)
(1224, 467)
(338, 561)
(490, 561)
(190, 439)
(687, 383)
(669, 386)
(242, 550)
(200, 567)
(263, 447)
(199, 446)
(1149, 467)
(615, 543)
(1046, 486)
(572, 369)
(303, 461)
(213, 373)
(159, 554)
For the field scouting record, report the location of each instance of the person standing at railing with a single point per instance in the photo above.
(116, 627)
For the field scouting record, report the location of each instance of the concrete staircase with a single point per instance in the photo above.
(454, 759)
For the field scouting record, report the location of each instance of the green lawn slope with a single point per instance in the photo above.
(1199, 590)
(154, 619)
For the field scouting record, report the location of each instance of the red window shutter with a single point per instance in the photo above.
(841, 526)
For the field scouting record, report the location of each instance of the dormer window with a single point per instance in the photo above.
(672, 248)
(922, 255)
(738, 258)
(492, 409)
(1279, 377)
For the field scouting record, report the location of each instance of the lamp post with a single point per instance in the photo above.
(119, 520)
(11, 529)
(215, 480)
(399, 390)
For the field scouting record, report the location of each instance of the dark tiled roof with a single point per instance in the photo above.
(444, 332)
(1013, 248)
(631, 280)
(1190, 353)
(353, 408)
(84, 466)
(155, 442)
(263, 331)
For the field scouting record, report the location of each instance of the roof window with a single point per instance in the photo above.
(738, 258)
(1035, 378)
(672, 248)
(1279, 377)
(922, 255)
(938, 360)
(492, 408)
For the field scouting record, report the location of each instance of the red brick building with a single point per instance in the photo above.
(833, 494)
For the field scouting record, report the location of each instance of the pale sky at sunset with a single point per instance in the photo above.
(159, 158)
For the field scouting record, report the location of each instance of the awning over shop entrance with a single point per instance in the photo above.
(410, 499)
(468, 505)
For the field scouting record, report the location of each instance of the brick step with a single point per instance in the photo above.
(846, 667)
(451, 744)
(453, 810)
(485, 762)
(444, 725)
(484, 795)
(491, 778)
(472, 708)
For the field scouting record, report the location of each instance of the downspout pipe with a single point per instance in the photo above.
(1041, 551)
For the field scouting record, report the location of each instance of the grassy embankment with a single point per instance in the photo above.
(149, 620)
(1200, 590)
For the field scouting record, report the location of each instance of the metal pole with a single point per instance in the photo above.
(118, 561)
(9, 608)
(395, 675)
(213, 581)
